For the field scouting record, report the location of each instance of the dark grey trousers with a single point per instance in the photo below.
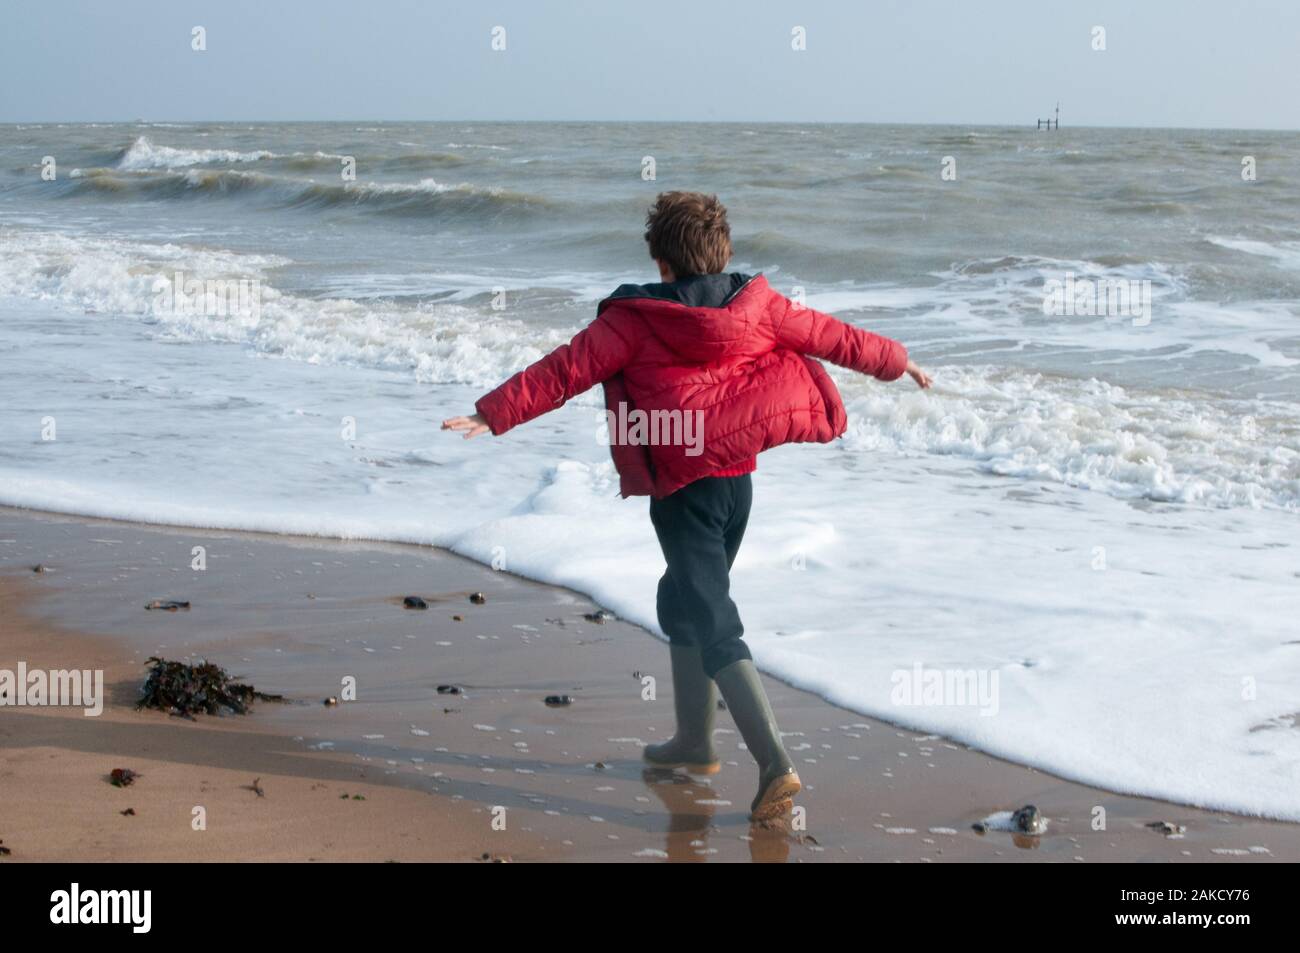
(700, 528)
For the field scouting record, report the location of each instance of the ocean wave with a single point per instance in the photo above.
(168, 184)
(1082, 157)
(1035, 267)
(968, 139)
(428, 196)
(882, 173)
(1285, 253)
(1156, 208)
(1165, 446)
(1162, 446)
(425, 197)
(143, 154)
(304, 161)
(438, 342)
(770, 246)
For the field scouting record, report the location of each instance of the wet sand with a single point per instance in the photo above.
(406, 773)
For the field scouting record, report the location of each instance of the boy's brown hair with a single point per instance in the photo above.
(689, 231)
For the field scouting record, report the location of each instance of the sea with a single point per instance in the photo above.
(1093, 515)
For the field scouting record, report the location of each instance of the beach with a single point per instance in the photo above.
(1075, 552)
(406, 773)
(1094, 508)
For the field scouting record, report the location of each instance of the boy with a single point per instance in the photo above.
(739, 357)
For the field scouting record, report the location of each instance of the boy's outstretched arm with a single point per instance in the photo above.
(815, 334)
(595, 354)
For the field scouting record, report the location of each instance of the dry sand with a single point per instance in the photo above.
(405, 773)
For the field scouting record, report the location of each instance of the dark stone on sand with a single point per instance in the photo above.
(1028, 820)
(129, 812)
(478, 598)
(167, 605)
(414, 602)
(600, 616)
(558, 701)
(448, 690)
(1167, 828)
(458, 618)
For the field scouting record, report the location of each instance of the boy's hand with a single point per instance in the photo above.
(471, 426)
(921, 377)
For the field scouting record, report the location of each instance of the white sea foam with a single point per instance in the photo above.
(1285, 253)
(1165, 446)
(438, 343)
(425, 185)
(144, 154)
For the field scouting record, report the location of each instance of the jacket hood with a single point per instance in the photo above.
(701, 317)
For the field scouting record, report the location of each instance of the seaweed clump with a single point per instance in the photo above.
(186, 690)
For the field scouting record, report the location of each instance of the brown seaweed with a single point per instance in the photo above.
(122, 777)
(185, 690)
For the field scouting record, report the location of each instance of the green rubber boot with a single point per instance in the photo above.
(777, 781)
(695, 701)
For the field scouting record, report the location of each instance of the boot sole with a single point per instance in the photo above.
(778, 799)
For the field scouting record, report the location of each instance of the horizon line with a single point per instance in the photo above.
(751, 122)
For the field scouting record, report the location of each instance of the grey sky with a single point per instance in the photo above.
(1167, 62)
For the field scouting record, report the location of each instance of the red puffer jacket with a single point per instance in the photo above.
(726, 349)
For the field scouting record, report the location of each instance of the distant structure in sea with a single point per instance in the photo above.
(1051, 123)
